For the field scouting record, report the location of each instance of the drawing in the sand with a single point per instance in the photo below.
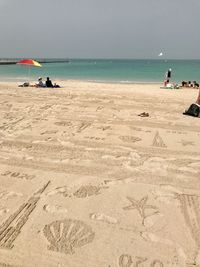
(67, 235)
(11, 228)
(158, 141)
(141, 206)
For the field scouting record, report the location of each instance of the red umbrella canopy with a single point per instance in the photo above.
(29, 62)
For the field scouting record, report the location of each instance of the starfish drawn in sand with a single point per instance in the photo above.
(141, 206)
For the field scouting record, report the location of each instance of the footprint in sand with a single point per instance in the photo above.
(154, 165)
(3, 211)
(118, 181)
(103, 218)
(11, 194)
(54, 209)
(166, 194)
(131, 139)
(59, 190)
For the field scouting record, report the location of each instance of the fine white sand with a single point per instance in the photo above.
(85, 181)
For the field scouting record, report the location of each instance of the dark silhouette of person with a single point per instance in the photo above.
(169, 74)
(49, 83)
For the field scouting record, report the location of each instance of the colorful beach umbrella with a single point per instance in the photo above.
(29, 63)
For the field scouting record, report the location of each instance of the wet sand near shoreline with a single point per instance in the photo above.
(86, 181)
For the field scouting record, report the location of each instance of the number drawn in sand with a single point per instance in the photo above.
(131, 139)
(11, 228)
(18, 175)
(157, 141)
(68, 235)
(126, 260)
(190, 207)
(142, 207)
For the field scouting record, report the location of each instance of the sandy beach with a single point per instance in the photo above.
(85, 181)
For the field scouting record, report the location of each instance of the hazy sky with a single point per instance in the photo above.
(100, 28)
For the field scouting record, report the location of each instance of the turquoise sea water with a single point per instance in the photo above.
(112, 70)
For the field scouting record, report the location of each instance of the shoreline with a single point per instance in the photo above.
(64, 81)
(32, 80)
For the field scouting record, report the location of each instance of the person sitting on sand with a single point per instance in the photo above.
(50, 85)
(166, 82)
(40, 83)
(195, 84)
(194, 109)
(184, 84)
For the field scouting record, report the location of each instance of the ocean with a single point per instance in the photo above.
(108, 70)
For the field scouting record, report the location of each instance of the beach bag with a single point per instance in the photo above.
(194, 110)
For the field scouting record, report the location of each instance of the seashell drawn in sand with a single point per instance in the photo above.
(86, 191)
(67, 235)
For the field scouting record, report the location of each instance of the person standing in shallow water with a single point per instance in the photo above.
(168, 76)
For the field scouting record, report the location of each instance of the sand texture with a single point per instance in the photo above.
(85, 181)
